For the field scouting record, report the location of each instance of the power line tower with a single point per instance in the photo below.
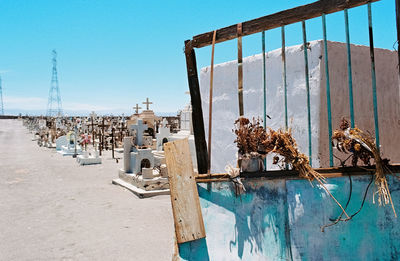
(54, 93)
(1, 99)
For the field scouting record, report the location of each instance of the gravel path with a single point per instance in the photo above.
(53, 209)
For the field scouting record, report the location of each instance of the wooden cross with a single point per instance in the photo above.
(147, 102)
(137, 108)
(121, 129)
(102, 133)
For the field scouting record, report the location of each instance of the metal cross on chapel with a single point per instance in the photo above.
(147, 102)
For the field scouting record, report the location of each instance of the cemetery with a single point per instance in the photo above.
(289, 153)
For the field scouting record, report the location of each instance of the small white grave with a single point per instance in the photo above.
(162, 135)
(89, 158)
(61, 141)
(144, 171)
(71, 148)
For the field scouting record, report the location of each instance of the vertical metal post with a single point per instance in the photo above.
(264, 79)
(303, 23)
(240, 69)
(75, 141)
(264, 87)
(328, 91)
(211, 102)
(102, 136)
(349, 70)
(284, 74)
(112, 141)
(92, 130)
(398, 34)
(373, 75)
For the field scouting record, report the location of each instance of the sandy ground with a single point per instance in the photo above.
(53, 209)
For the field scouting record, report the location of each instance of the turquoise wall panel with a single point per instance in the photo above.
(282, 219)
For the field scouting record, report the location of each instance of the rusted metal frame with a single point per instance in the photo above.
(197, 111)
(210, 104)
(279, 19)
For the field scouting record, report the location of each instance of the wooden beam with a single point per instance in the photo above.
(185, 201)
(197, 111)
(293, 174)
(276, 20)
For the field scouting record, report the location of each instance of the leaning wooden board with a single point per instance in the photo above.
(186, 209)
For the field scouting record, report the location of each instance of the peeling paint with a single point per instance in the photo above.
(282, 219)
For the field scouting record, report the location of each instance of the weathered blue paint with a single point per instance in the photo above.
(282, 219)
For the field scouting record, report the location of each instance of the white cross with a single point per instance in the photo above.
(93, 115)
(139, 128)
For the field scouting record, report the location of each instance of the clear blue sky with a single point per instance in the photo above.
(113, 54)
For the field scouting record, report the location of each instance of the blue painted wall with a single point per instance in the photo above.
(282, 220)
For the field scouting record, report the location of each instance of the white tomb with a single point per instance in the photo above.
(186, 131)
(61, 141)
(70, 148)
(144, 172)
(163, 135)
(89, 158)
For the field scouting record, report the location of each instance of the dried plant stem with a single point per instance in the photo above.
(362, 146)
(337, 202)
(390, 198)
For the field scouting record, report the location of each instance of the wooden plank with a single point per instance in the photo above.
(185, 201)
(292, 174)
(279, 19)
(197, 111)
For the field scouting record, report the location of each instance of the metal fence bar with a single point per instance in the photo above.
(349, 70)
(211, 103)
(264, 79)
(303, 23)
(240, 69)
(398, 35)
(373, 75)
(284, 74)
(328, 91)
(264, 86)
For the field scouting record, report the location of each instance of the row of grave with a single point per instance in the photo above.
(139, 138)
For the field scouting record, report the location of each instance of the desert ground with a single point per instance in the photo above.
(53, 209)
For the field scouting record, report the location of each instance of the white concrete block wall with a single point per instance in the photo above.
(225, 99)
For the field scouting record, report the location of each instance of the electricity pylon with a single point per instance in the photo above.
(54, 93)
